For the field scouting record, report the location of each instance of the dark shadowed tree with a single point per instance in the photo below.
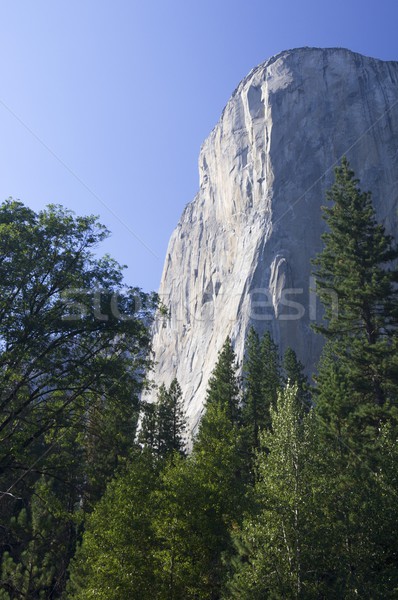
(261, 381)
(73, 348)
(163, 426)
(294, 375)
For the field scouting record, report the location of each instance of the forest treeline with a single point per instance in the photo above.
(290, 490)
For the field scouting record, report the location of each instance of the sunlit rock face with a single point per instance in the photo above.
(240, 254)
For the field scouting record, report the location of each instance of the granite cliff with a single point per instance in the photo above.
(240, 254)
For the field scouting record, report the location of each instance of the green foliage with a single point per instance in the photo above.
(44, 540)
(262, 381)
(355, 281)
(178, 532)
(281, 497)
(163, 424)
(128, 531)
(223, 386)
(271, 379)
(203, 497)
(59, 337)
(164, 528)
(148, 434)
(294, 375)
(274, 549)
(73, 348)
(171, 420)
(354, 489)
(325, 525)
(255, 413)
(115, 559)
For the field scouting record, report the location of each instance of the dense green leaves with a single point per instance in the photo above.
(285, 494)
(275, 549)
(356, 398)
(73, 347)
(61, 332)
(115, 560)
(219, 477)
(188, 515)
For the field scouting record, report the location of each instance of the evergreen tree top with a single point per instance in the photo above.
(223, 388)
(355, 275)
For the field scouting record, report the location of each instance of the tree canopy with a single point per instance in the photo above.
(289, 491)
(74, 344)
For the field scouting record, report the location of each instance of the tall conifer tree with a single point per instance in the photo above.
(262, 380)
(253, 405)
(294, 375)
(356, 397)
(163, 424)
(355, 281)
(203, 498)
(223, 388)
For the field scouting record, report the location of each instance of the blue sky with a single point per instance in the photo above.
(104, 105)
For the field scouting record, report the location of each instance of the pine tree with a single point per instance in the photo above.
(149, 431)
(178, 546)
(253, 403)
(203, 497)
(294, 375)
(354, 494)
(355, 281)
(261, 384)
(218, 450)
(355, 397)
(199, 502)
(45, 533)
(163, 423)
(163, 529)
(223, 388)
(171, 420)
(70, 375)
(271, 378)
